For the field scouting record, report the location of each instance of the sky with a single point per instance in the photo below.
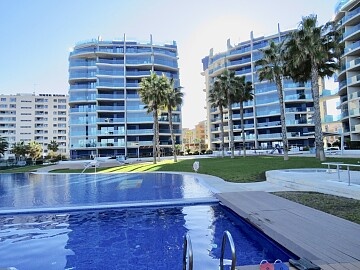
(37, 35)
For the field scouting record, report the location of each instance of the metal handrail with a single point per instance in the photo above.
(228, 236)
(188, 252)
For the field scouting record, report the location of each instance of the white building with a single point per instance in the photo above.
(41, 118)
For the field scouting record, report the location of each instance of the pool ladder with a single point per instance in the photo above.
(188, 257)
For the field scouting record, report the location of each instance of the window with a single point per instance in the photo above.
(3, 99)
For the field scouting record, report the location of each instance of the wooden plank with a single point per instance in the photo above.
(302, 230)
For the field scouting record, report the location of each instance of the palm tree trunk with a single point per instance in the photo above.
(222, 143)
(282, 117)
(231, 128)
(172, 134)
(242, 128)
(319, 144)
(155, 140)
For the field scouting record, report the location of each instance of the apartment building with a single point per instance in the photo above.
(195, 139)
(262, 115)
(107, 117)
(347, 16)
(41, 118)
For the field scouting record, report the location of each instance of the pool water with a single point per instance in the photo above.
(62, 233)
(29, 191)
(146, 238)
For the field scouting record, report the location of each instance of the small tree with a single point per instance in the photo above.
(20, 150)
(3, 145)
(53, 147)
(35, 151)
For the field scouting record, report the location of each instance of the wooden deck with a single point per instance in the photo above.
(326, 240)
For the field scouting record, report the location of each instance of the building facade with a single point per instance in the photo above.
(41, 118)
(262, 115)
(347, 16)
(107, 117)
(195, 139)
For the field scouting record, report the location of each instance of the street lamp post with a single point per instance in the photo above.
(138, 151)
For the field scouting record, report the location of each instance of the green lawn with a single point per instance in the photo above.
(338, 206)
(239, 169)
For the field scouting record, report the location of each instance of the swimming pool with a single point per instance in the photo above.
(123, 238)
(45, 192)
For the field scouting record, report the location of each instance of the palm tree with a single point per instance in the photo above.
(20, 150)
(153, 94)
(312, 53)
(228, 85)
(272, 68)
(3, 145)
(217, 99)
(243, 93)
(174, 98)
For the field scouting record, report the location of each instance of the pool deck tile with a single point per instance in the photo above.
(328, 241)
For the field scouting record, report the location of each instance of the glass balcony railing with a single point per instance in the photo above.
(111, 132)
(110, 108)
(140, 131)
(111, 96)
(241, 50)
(238, 62)
(110, 120)
(269, 124)
(350, 31)
(299, 109)
(110, 84)
(354, 112)
(75, 75)
(353, 46)
(111, 61)
(138, 73)
(353, 79)
(111, 144)
(351, 14)
(111, 72)
(353, 63)
(297, 97)
(84, 110)
(139, 119)
(355, 95)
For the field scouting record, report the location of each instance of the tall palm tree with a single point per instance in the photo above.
(272, 68)
(153, 94)
(217, 99)
(228, 85)
(313, 53)
(174, 98)
(242, 94)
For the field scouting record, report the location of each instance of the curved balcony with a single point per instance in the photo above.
(110, 62)
(352, 33)
(353, 49)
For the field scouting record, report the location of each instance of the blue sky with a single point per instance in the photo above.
(36, 35)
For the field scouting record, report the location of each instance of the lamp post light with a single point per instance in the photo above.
(138, 150)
